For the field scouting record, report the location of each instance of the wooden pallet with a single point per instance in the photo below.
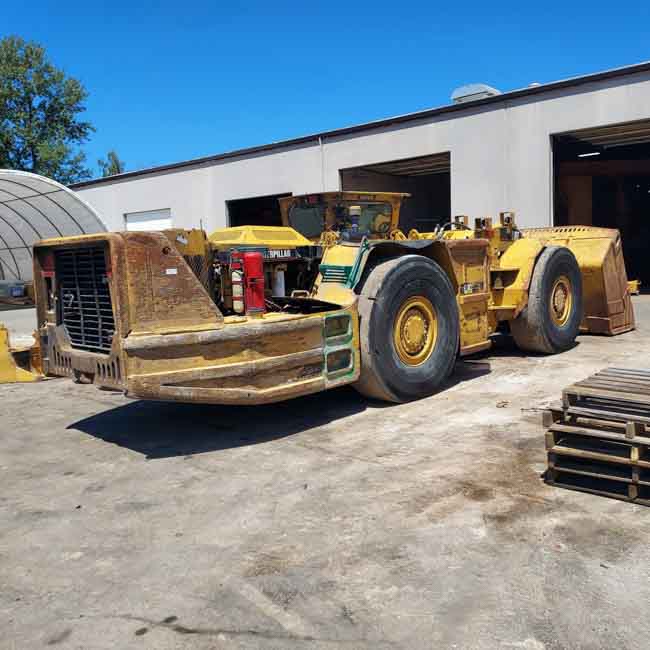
(599, 440)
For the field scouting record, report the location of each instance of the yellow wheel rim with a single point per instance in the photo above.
(415, 330)
(561, 301)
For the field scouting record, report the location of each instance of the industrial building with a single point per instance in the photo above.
(575, 151)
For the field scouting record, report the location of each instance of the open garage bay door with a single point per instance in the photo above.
(602, 178)
(256, 211)
(426, 178)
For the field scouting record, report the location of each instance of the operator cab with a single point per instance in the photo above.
(351, 215)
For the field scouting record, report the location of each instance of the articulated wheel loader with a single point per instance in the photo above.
(337, 295)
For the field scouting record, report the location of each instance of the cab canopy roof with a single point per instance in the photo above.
(267, 236)
(394, 198)
(33, 207)
(318, 197)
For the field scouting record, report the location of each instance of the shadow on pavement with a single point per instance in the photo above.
(167, 429)
(504, 345)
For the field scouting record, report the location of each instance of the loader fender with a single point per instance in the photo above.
(517, 264)
(386, 250)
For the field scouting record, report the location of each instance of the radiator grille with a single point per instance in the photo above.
(85, 306)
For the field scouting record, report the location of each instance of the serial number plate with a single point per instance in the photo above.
(471, 287)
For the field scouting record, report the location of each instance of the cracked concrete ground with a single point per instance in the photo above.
(325, 522)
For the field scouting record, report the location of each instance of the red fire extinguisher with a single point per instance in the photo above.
(247, 277)
(254, 282)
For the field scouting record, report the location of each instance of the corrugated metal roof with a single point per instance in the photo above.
(538, 89)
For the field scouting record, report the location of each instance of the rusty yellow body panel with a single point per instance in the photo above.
(247, 362)
(18, 364)
(467, 264)
(510, 275)
(171, 342)
(188, 242)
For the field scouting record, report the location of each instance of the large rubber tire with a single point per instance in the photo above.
(535, 330)
(387, 287)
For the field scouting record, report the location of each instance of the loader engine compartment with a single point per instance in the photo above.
(250, 280)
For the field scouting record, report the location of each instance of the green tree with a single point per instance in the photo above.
(112, 165)
(40, 129)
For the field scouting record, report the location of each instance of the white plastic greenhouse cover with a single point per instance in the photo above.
(33, 207)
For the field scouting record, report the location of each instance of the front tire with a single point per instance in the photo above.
(409, 329)
(551, 321)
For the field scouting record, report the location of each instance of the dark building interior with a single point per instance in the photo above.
(426, 178)
(602, 178)
(256, 211)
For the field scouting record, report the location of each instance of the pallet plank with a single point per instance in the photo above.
(632, 379)
(606, 488)
(618, 381)
(614, 396)
(640, 371)
(620, 416)
(588, 467)
(597, 433)
(617, 387)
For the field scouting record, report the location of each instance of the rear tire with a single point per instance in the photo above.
(409, 329)
(551, 320)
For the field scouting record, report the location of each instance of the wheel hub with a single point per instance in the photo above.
(561, 300)
(415, 330)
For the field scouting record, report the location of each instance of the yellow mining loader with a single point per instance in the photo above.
(337, 295)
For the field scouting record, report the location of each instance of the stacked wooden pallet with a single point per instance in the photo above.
(598, 441)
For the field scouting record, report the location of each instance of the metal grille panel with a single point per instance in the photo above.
(202, 269)
(332, 273)
(85, 306)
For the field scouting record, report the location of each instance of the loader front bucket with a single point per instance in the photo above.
(607, 306)
(19, 364)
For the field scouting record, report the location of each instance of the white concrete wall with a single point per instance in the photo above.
(500, 159)
(198, 195)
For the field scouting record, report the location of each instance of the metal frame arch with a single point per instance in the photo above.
(64, 218)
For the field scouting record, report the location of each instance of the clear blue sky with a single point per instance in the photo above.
(173, 80)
